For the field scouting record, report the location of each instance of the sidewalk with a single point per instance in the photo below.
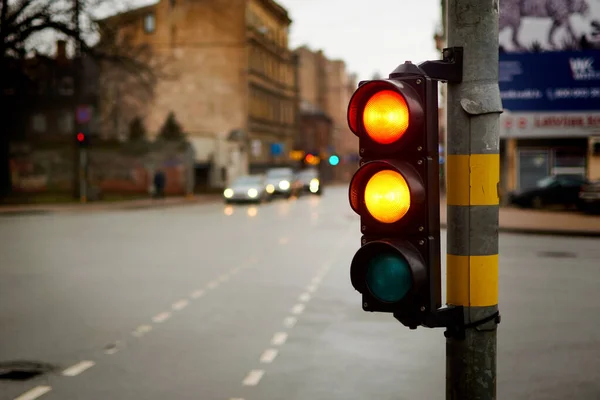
(104, 206)
(542, 222)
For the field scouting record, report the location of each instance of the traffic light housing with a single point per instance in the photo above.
(395, 192)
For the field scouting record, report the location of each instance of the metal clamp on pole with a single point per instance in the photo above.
(448, 69)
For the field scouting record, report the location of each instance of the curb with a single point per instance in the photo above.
(107, 207)
(543, 232)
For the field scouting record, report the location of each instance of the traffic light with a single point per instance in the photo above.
(82, 139)
(396, 193)
(334, 160)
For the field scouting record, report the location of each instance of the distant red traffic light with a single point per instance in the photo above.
(80, 137)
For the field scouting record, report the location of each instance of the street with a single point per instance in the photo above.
(254, 302)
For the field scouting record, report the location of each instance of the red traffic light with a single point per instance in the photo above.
(80, 137)
(309, 158)
(384, 111)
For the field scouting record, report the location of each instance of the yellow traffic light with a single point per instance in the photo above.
(386, 116)
(387, 196)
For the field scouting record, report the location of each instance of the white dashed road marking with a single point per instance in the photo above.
(253, 377)
(268, 356)
(78, 368)
(311, 288)
(180, 305)
(34, 393)
(141, 330)
(283, 240)
(213, 285)
(162, 317)
(289, 322)
(316, 280)
(304, 297)
(196, 294)
(279, 338)
(298, 309)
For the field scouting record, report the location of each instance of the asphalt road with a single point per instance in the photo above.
(254, 302)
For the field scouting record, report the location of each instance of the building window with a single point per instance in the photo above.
(149, 23)
(66, 86)
(38, 123)
(66, 122)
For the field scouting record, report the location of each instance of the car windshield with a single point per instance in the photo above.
(307, 174)
(546, 182)
(247, 180)
(279, 173)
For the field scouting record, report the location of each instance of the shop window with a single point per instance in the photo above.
(38, 123)
(149, 23)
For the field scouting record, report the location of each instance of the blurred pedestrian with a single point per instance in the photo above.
(159, 183)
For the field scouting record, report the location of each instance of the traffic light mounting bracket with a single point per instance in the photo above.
(448, 69)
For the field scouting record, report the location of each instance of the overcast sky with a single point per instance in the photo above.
(370, 35)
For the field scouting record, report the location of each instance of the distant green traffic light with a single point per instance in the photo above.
(334, 160)
(388, 277)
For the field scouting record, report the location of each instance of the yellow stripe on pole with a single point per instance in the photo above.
(472, 281)
(481, 186)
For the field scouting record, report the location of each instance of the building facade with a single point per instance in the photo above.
(327, 86)
(550, 91)
(226, 72)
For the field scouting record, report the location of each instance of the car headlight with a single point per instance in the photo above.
(314, 182)
(284, 185)
(228, 193)
(270, 188)
(252, 193)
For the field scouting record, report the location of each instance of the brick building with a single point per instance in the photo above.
(325, 88)
(227, 74)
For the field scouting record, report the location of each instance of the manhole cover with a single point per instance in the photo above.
(557, 254)
(22, 370)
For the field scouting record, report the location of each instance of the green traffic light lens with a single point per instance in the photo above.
(388, 277)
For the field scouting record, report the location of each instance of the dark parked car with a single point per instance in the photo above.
(309, 181)
(589, 197)
(552, 190)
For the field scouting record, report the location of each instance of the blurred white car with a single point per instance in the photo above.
(248, 188)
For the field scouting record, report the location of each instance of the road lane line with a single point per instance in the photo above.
(289, 322)
(180, 305)
(196, 294)
(298, 309)
(304, 297)
(162, 317)
(253, 377)
(311, 288)
(279, 338)
(213, 285)
(34, 393)
(141, 330)
(316, 280)
(268, 356)
(224, 277)
(78, 368)
(283, 240)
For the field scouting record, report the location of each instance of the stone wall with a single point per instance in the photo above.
(122, 168)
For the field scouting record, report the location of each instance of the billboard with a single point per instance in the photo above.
(550, 81)
(548, 25)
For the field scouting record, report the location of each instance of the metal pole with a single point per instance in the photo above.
(473, 174)
(83, 175)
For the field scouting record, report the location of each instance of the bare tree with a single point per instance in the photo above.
(27, 25)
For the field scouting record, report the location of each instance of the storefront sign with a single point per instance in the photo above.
(545, 125)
